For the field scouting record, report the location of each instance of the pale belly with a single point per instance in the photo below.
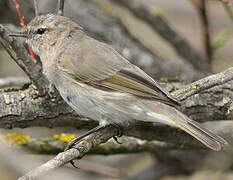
(115, 107)
(99, 105)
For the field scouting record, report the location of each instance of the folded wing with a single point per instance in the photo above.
(102, 67)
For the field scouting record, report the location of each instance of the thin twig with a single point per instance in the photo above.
(205, 83)
(36, 8)
(205, 30)
(77, 152)
(60, 7)
(23, 24)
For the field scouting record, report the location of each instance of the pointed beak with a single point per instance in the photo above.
(23, 34)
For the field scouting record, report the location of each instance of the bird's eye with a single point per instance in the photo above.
(40, 31)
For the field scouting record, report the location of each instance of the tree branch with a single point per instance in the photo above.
(205, 30)
(205, 83)
(77, 152)
(95, 139)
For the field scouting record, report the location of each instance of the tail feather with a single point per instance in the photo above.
(169, 115)
(205, 136)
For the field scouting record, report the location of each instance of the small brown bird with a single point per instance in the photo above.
(99, 83)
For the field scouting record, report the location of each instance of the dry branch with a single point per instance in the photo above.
(205, 29)
(205, 83)
(77, 152)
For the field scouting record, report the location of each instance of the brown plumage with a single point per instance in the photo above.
(99, 83)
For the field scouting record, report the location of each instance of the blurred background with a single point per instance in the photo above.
(179, 40)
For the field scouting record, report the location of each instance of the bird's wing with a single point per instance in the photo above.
(102, 67)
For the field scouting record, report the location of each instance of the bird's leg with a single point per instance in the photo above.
(120, 131)
(72, 142)
(51, 91)
(97, 128)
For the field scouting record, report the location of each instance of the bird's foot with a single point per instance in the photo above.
(120, 131)
(73, 142)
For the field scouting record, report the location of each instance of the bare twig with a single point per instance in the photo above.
(23, 24)
(36, 8)
(205, 83)
(77, 152)
(60, 7)
(205, 30)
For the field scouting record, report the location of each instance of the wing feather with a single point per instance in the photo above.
(101, 66)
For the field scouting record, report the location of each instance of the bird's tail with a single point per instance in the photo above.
(205, 136)
(169, 115)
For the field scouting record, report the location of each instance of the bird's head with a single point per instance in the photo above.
(45, 30)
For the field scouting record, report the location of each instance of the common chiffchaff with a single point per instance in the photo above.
(99, 83)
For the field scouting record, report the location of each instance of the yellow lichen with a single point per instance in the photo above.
(17, 138)
(65, 137)
(163, 79)
(193, 86)
(14, 139)
(169, 79)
